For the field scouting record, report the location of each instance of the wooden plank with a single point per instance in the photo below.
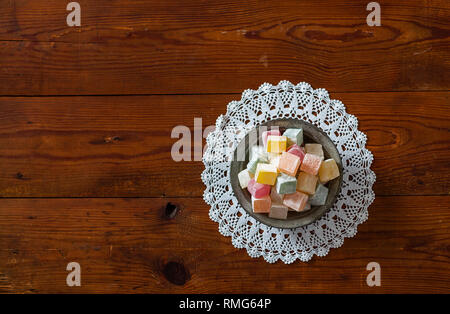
(103, 20)
(106, 146)
(147, 47)
(126, 245)
(63, 223)
(121, 146)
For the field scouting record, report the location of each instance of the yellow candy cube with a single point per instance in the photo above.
(328, 171)
(266, 174)
(276, 144)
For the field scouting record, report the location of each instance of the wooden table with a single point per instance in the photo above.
(86, 113)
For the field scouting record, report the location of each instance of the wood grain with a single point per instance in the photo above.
(120, 247)
(86, 115)
(154, 47)
(103, 20)
(121, 146)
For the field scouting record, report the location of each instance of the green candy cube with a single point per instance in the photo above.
(257, 154)
(286, 184)
(320, 196)
(252, 164)
(294, 136)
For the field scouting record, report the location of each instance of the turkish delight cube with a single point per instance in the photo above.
(257, 150)
(261, 205)
(296, 201)
(294, 136)
(306, 183)
(289, 164)
(275, 162)
(297, 150)
(257, 159)
(258, 190)
(328, 171)
(286, 184)
(275, 196)
(278, 211)
(266, 134)
(320, 196)
(266, 174)
(307, 207)
(311, 164)
(315, 149)
(244, 178)
(276, 144)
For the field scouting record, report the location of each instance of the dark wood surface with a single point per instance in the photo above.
(125, 244)
(178, 46)
(121, 146)
(86, 116)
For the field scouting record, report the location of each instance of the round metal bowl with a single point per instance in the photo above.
(311, 134)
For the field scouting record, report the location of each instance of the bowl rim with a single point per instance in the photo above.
(303, 218)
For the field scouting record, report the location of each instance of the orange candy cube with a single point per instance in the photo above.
(289, 164)
(262, 205)
(296, 201)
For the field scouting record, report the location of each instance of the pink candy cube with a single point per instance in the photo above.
(311, 164)
(296, 201)
(297, 150)
(258, 190)
(266, 134)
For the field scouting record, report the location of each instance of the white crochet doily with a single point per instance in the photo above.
(300, 101)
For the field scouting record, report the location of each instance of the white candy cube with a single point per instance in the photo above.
(244, 178)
